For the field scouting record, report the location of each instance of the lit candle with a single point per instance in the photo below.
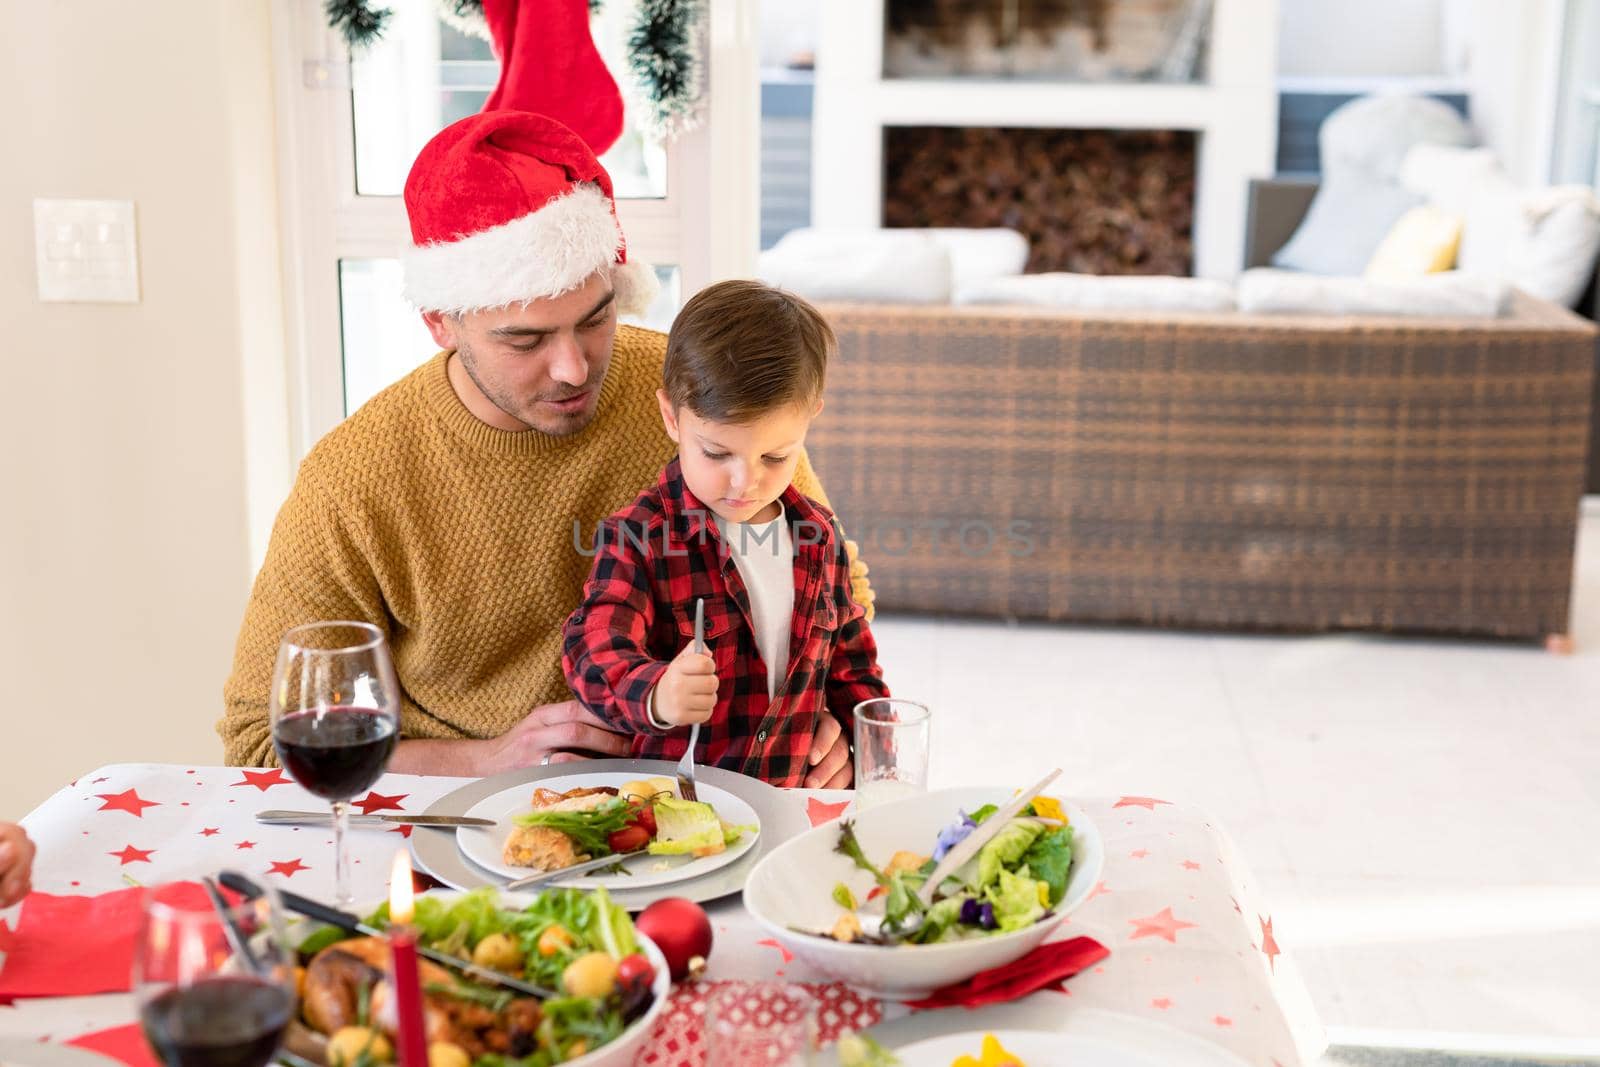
(413, 1043)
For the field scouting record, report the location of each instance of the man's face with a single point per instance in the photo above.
(738, 470)
(540, 366)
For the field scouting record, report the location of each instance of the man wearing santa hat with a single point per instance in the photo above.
(457, 507)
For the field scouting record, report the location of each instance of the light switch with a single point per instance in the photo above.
(87, 251)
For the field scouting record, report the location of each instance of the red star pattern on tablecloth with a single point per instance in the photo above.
(211, 831)
(404, 829)
(245, 844)
(129, 854)
(1139, 853)
(1190, 865)
(1161, 1003)
(1222, 1021)
(1099, 890)
(378, 802)
(772, 942)
(1148, 803)
(1269, 944)
(128, 800)
(287, 868)
(819, 811)
(264, 780)
(1162, 924)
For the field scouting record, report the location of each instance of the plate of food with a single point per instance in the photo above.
(656, 837)
(843, 897)
(1096, 1040)
(609, 982)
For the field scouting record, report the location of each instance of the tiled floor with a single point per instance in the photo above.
(1424, 816)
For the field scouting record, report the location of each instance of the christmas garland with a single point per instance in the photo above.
(663, 51)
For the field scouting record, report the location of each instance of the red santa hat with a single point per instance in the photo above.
(508, 207)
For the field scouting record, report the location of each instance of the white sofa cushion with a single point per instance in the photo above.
(976, 255)
(1544, 241)
(867, 266)
(1448, 294)
(1447, 176)
(1102, 292)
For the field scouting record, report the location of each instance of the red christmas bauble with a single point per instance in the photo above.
(681, 930)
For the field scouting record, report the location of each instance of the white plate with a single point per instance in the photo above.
(22, 1052)
(1100, 1040)
(483, 844)
(791, 890)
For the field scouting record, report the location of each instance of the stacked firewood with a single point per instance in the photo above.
(1089, 201)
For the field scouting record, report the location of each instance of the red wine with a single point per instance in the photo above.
(335, 753)
(218, 1022)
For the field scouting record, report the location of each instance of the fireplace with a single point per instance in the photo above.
(1089, 201)
(1155, 134)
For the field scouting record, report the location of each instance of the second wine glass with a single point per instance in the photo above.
(335, 711)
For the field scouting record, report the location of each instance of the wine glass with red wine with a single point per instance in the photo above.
(201, 1005)
(335, 719)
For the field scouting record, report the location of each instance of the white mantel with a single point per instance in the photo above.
(1236, 113)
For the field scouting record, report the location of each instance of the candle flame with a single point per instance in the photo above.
(400, 896)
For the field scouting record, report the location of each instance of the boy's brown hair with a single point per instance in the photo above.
(740, 349)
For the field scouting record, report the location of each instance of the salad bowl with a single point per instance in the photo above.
(444, 909)
(802, 890)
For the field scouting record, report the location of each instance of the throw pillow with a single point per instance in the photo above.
(1099, 292)
(1374, 133)
(1423, 241)
(1350, 214)
(1450, 294)
(861, 266)
(1545, 241)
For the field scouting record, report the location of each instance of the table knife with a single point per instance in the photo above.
(323, 818)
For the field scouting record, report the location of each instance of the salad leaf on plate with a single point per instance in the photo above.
(1016, 900)
(1005, 849)
(687, 826)
(1049, 859)
(589, 830)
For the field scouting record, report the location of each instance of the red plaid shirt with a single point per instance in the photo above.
(652, 560)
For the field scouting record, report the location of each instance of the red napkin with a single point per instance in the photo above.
(1045, 967)
(75, 946)
(123, 1043)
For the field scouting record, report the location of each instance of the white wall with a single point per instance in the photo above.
(124, 548)
(1515, 63)
(1361, 38)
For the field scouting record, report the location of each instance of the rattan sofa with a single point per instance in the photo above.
(1228, 471)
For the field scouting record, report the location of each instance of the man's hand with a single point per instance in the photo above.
(829, 757)
(687, 692)
(550, 733)
(16, 864)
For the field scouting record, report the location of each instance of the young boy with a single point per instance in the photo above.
(784, 642)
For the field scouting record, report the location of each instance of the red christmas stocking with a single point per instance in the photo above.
(549, 65)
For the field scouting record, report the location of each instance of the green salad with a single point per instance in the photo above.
(1015, 880)
(577, 944)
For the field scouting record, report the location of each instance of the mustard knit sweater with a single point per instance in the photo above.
(458, 540)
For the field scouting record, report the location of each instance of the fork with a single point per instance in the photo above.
(686, 764)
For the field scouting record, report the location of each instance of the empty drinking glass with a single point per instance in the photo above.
(891, 751)
(760, 1024)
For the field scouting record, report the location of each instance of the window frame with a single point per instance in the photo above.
(323, 219)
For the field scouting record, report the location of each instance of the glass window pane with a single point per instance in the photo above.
(384, 338)
(424, 74)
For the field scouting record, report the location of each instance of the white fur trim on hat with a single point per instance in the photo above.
(543, 254)
(636, 287)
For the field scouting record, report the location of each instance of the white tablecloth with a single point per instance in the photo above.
(1190, 944)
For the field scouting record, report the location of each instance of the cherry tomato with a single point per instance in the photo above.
(635, 972)
(628, 839)
(645, 815)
